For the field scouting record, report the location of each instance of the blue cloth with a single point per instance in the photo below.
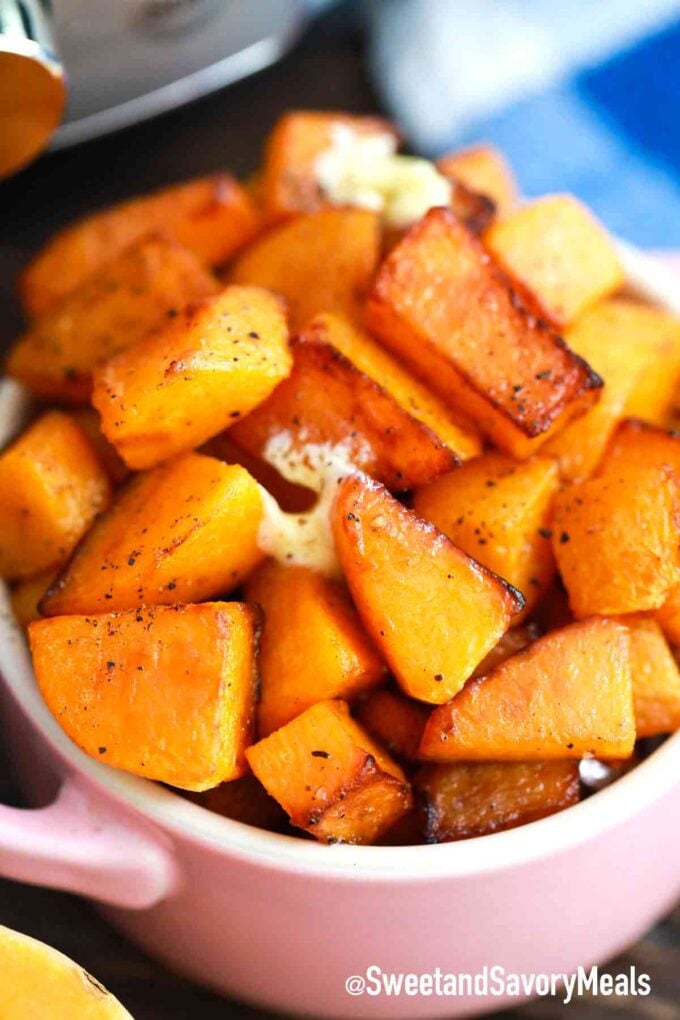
(587, 104)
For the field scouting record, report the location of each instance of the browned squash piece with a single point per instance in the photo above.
(463, 800)
(112, 310)
(321, 262)
(474, 209)
(189, 380)
(484, 169)
(553, 610)
(441, 304)
(638, 444)
(291, 498)
(289, 180)
(396, 722)
(52, 486)
(114, 465)
(330, 777)
(669, 615)
(557, 249)
(498, 511)
(615, 539)
(509, 644)
(327, 399)
(166, 692)
(244, 800)
(568, 695)
(184, 532)
(211, 216)
(26, 594)
(433, 612)
(656, 679)
(313, 645)
(655, 393)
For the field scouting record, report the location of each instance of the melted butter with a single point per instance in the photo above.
(304, 539)
(366, 171)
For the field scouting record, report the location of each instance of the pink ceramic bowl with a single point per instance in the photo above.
(282, 922)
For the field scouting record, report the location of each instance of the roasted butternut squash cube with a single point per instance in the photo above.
(615, 539)
(165, 692)
(289, 180)
(327, 399)
(655, 393)
(110, 311)
(656, 678)
(188, 381)
(641, 445)
(396, 722)
(211, 216)
(484, 169)
(557, 249)
(441, 304)
(25, 596)
(499, 511)
(509, 644)
(568, 695)
(291, 497)
(88, 420)
(321, 262)
(463, 800)
(432, 611)
(669, 615)
(185, 531)
(244, 800)
(313, 646)
(53, 486)
(330, 777)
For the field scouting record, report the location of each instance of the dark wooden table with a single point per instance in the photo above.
(225, 130)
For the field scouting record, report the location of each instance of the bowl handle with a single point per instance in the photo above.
(81, 846)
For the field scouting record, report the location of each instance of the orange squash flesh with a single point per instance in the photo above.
(111, 311)
(668, 615)
(330, 777)
(327, 399)
(654, 395)
(442, 305)
(513, 641)
(26, 595)
(463, 800)
(52, 486)
(87, 419)
(164, 692)
(615, 539)
(555, 247)
(396, 722)
(185, 531)
(498, 511)
(568, 695)
(244, 800)
(313, 646)
(640, 444)
(211, 216)
(484, 169)
(432, 611)
(188, 381)
(321, 262)
(656, 679)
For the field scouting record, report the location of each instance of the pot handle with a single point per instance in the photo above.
(80, 846)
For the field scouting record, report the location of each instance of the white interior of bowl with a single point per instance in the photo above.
(652, 779)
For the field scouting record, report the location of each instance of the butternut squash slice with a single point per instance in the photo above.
(186, 531)
(330, 777)
(395, 721)
(432, 611)
(463, 800)
(211, 216)
(568, 695)
(313, 646)
(165, 692)
(210, 364)
(656, 679)
(484, 169)
(441, 304)
(53, 486)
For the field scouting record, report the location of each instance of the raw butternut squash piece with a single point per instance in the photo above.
(463, 800)
(211, 216)
(327, 399)
(330, 777)
(321, 262)
(165, 692)
(53, 486)
(656, 679)
(441, 304)
(484, 169)
(556, 248)
(114, 465)
(498, 511)
(38, 981)
(26, 595)
(244, 800)
(186, 531)
(313, 646)
(111, 311)
(189, 380)
(289, 180)
(615, 539)
(568, 695)
(396, 722)
(432, 611)
(509, 644)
